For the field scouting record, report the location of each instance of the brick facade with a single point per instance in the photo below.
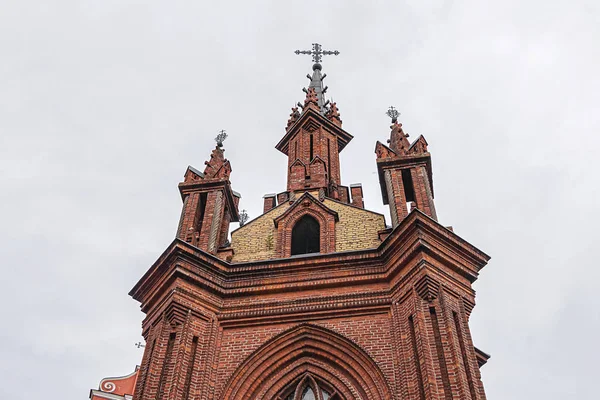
(376, 313)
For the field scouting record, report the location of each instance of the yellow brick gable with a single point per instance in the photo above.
(356, 230)
(256, 240)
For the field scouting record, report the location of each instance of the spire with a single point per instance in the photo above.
(316, 80)
(398, 139)
(316, 84)
(218, 166)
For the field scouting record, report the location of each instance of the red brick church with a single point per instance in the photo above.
(317, 298)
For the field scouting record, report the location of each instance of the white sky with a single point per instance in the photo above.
(103, 104)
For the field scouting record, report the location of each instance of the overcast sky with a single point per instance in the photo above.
(103, 104)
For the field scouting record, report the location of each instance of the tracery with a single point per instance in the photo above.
(309, 388)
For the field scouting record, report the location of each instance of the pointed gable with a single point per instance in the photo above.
(304, 201)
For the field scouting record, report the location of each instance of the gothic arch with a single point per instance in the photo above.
(306, 236)
(308, 350)
(305, 205)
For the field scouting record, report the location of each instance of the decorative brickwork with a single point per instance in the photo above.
(305, 205)
(377, 313)
(405, 176)
(308, 349)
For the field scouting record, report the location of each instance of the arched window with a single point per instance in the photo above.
(309, 388)
(306, 236)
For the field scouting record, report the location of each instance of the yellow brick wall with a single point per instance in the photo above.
(356, 230)
(251, 242)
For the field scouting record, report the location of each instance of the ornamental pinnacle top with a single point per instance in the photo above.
(316, 80)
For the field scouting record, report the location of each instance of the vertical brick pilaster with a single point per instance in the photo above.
(423, 194)
(191, 215)
(396, 196)
(468, 356)
(428, 193)
(215, 226)
(224, 231)
(154, 368)
(211, 225)
(211, 357)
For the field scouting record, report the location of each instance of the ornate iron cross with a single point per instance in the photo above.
(221, 137)
(393, 114)
(317, 52)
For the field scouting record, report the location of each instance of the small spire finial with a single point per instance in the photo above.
(221, 137)
(393, 114)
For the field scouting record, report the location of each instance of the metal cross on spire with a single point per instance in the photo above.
(221, 137)
(317, 52)
(393, 114)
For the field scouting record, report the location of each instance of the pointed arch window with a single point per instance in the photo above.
(309, 388)
(306, 236)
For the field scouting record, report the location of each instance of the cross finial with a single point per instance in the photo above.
(221, 137)
(393, 114)
(317, 52)
(139, 345)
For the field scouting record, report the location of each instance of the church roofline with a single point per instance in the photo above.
(356, 207)
(417, 226)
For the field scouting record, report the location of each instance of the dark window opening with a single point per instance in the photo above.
(200, 213)
(311, 147)
(306, 236)
(407, 182)
(328, 158)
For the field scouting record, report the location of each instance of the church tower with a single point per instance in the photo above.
(317, 298)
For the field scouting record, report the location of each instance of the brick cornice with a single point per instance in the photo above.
(417, 234)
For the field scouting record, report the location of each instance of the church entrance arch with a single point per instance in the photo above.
(308, 362)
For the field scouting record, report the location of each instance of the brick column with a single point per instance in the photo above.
(191, 215)
(211, 225)
(423, 194)
(436, 351)
(396, 196)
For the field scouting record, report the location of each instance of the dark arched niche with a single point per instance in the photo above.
(306, 236)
